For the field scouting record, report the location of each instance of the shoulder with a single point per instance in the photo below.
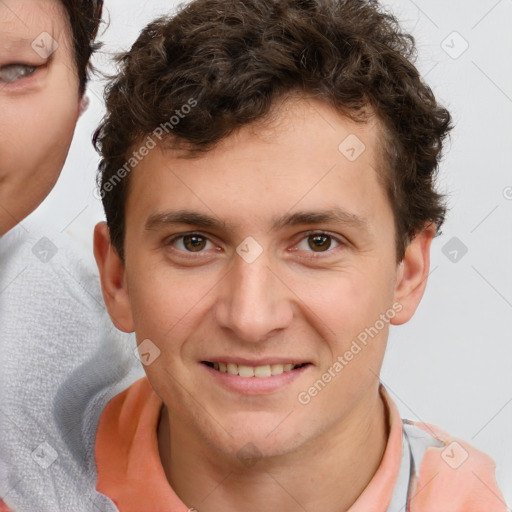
(126, 416)
(449, 474)
(130, 404)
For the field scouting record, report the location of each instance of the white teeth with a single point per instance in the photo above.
(276, 369)
(232, 369)
(262, 371)
(253, 371)
(245, 371)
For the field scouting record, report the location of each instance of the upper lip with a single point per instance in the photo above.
(256, 362)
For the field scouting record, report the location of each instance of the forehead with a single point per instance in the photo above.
(305, 154)
(298, 130)
(23, 21)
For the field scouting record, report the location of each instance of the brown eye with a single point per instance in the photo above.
(192, 246)
(194, 243)
(319, 243)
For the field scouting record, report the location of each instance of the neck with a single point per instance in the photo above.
(327, 473)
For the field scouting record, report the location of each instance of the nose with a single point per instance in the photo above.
(253, 302)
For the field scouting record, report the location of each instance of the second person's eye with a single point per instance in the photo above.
(14, 72)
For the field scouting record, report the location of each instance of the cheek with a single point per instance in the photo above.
(164, 304)
(347, 301)
(38, 132)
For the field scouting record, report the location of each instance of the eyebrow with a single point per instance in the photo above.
(201, 220)
(15, 40)
(10, 43)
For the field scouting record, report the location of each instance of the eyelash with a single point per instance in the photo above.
(314, 255)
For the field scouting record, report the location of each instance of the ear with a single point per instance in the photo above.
(113, 279)
(412, 274)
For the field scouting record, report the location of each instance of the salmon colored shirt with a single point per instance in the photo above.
(130, 472)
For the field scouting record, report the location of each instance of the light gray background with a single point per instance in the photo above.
(452, 364)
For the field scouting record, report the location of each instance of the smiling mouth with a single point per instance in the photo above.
(254, 371)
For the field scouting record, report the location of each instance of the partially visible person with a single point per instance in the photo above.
(279, 221)
(51, 315)
(44, 53)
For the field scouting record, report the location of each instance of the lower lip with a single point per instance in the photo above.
(256, 385)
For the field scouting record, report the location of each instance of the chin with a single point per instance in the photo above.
(255, 441)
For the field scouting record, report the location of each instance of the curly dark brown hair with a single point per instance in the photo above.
(84, 17)
(235, 58)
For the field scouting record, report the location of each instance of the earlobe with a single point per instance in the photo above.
(113, 279)
(83, 105)
(412, 274)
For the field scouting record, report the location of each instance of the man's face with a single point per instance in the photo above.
(275, 248)
(39, 102)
